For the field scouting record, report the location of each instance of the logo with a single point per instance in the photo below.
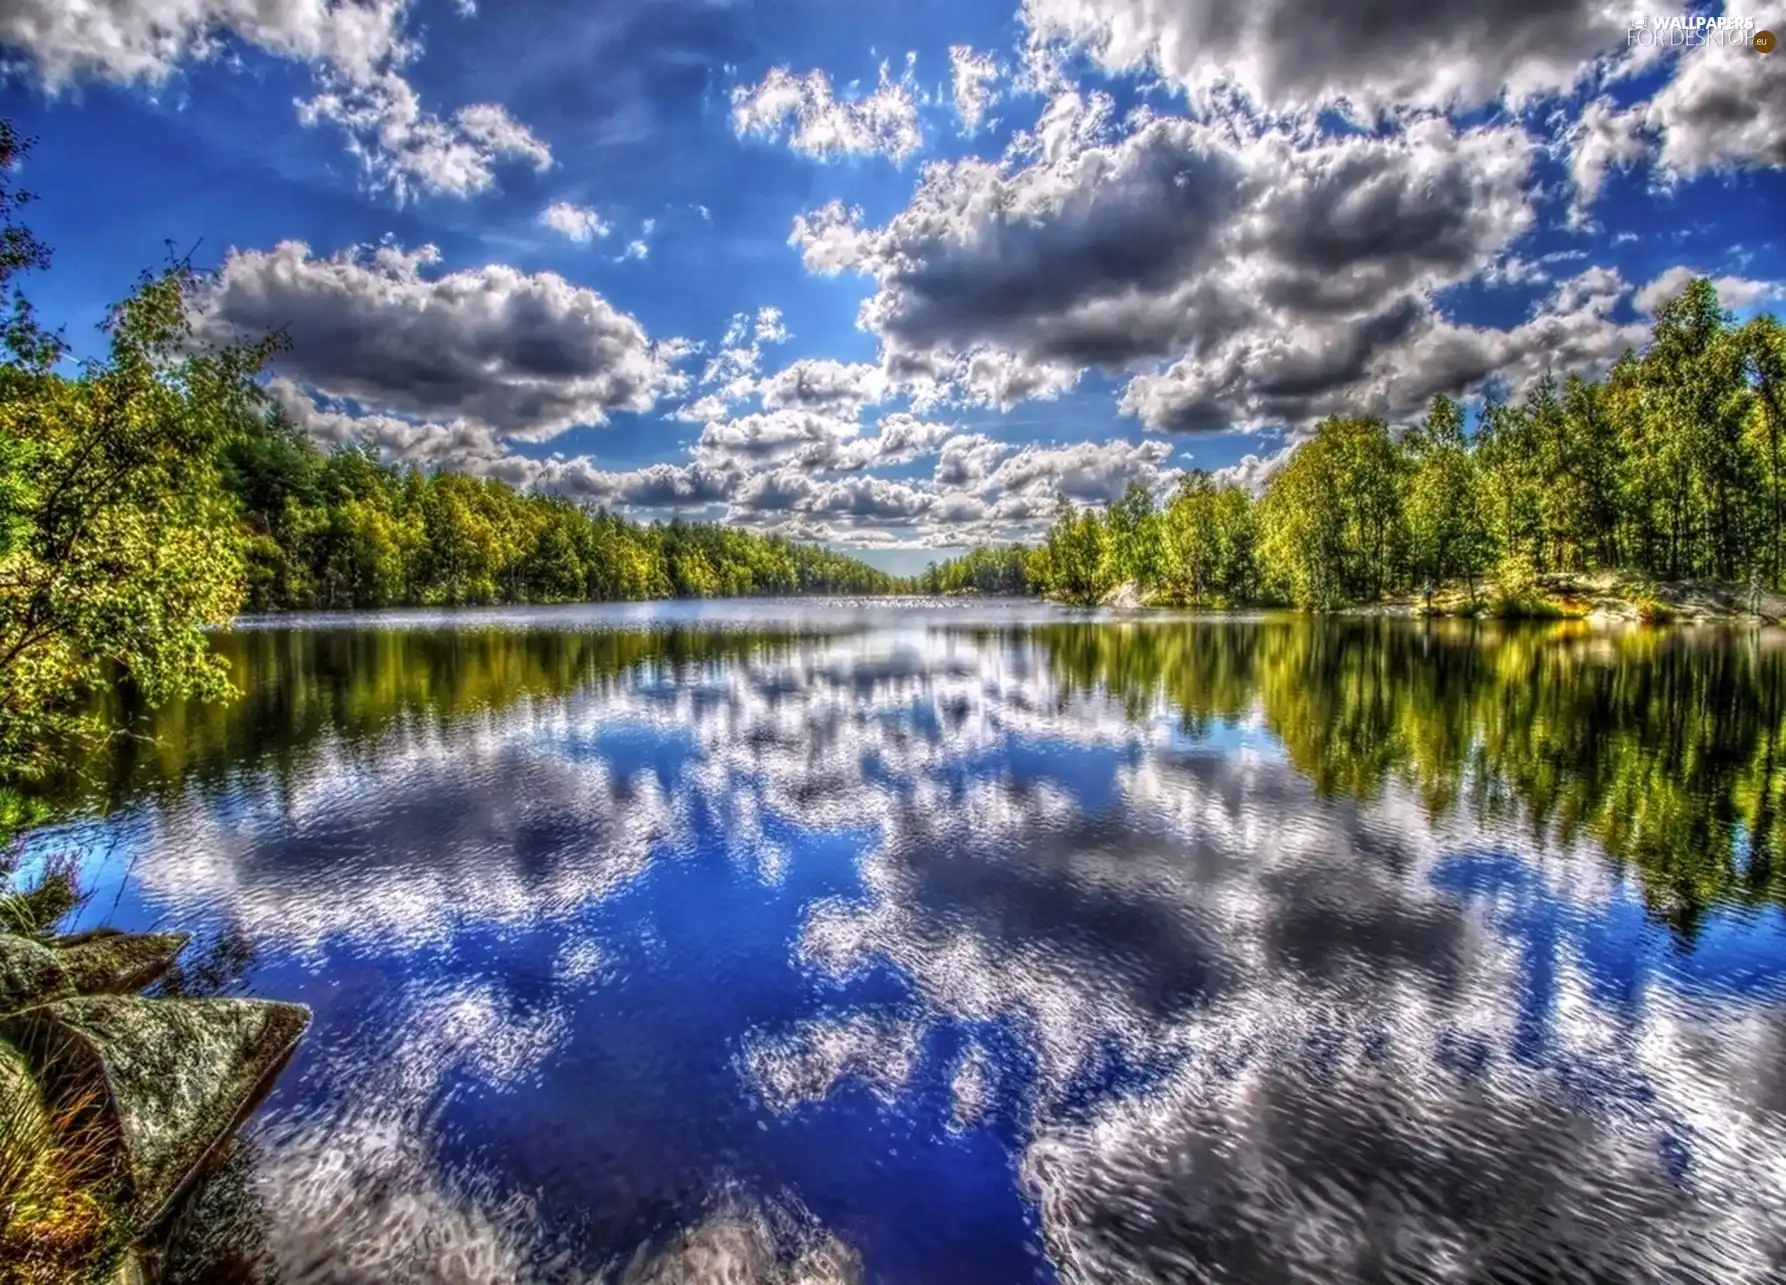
(1685, 31)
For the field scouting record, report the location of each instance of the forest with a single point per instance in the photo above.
(155, 492)
(344, 530)
(1668, 468)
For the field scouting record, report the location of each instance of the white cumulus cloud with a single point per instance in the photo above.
(578, 222)
(815, 122)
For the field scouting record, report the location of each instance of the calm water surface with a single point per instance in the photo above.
(924, 944)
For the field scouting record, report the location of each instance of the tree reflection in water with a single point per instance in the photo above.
(1092, 950)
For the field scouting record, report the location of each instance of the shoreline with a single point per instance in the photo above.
(1596, 598)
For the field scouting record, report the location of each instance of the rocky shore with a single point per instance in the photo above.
(1603, 597)
(113, 1103)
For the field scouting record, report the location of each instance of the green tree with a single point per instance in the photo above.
(1075, 565)
(1302, 536)
(982, 569)
(1208, 542)
(460, 542)
(1446, 533)
(1191, 557)
(1330, 522)
(1511, 483)
(1591, 483)
(1764, 340)
(1685, 407)
(125, 543)
(1672, 465)
(1133, 538)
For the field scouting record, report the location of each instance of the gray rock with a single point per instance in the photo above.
(35, 972)
(169, 1079)
(30, 973)
(119, 964)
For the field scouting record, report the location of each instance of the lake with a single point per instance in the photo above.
(919, 942)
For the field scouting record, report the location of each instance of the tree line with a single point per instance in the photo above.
(1672, 466)
(1003, 569)
(342, 529)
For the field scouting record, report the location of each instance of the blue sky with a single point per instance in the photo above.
(891, 276)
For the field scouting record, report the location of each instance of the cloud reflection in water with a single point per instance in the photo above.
(996, 953)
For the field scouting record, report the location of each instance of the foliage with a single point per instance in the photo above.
(34, 909)
(1132, 549)
(1331, 519)
(1448, 538)
(1673, 467)
(124, 544)
(343, 530)
(54, 1227)
(1005, 570)
(1075, 564)
(1519, 596)
(1210, 537)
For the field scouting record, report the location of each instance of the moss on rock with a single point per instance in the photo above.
(111, 1103)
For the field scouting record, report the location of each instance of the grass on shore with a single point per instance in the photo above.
(54, 1164)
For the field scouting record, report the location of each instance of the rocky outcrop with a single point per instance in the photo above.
(34, 972)
(30, 974)
(166, 1079)
(142, 1091)
(118, 963)
(1125, 597)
